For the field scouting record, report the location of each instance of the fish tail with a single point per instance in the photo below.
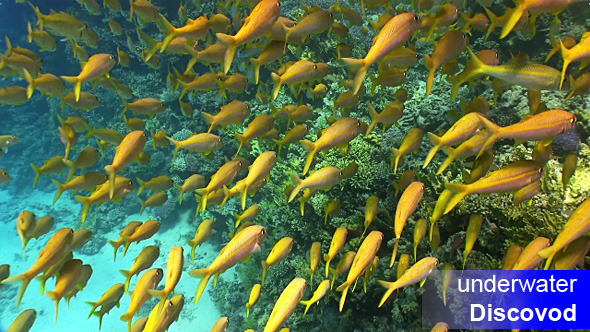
(177, 147)
(230, 52)
(451, 152)
(277, 79)
(159, 294)
(394, 255)
(243, 198)
(295, 190)
(127, 279)
(226, 197)
(436, 142)
(93, 305)
(116, 246)
(360, 74)
(30, 80)
(19, 278)
(493, 21)
(109, 169)
(307, 305)
(168, 30)
(327, 259)
(288, 31)
(127, 244)
(565, 53)
(374, 117)
(390, 289)
(40, 20)
(53, 296)
(343, 297)
(193, 248)
(279, 144)
(191, 63)
(203, 273)
(430, 79)
(494, 135)
(203, 200)
(394, 159)
(208, 117)
(264, 270)
(548, 254)
(131, 10)
(455, 88)
(459, 193)
(151, 53)
(184, 89)
(302, 201)
(60, 189)
(72, 168)
(514, 18)
(309, 160)
(77, 85)
(38, 174)
(141, 186)
(86, 202)
(257, 65)
(240, 138)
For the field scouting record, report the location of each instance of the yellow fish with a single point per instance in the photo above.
(362, 260)
(126, 152)
(254, 295)
(338, 241)
(173, 273)
(394, 34)
(142, 232)
(24, 321)
(97, 66)
(324, 178)
(529, 257)
(203, 233)
(239, 248)
(419, 271)
(67, 278)
(121, 188)
(576, 226)
(471, 235)
(234, 112)
(257, 24)
(56, 248)
(149, 280)
(319, 293)
(113, 294)
(143, 261)
(260, 169)
(406, 205)
(127, 231)
(340, 133)
(279, 252)
(411, 143)
(286, 304)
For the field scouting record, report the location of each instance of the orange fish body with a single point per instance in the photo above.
(257, 24)
(395, 33)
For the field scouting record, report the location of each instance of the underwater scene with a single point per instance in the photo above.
(250, 165)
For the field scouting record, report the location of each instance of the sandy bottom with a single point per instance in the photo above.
(200, 317)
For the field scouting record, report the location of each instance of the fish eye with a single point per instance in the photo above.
(415, 17)
(130, 182)
(573, 119)
(263, 232)
(315, 67)
(541, 170)
(219, 139)
(358, 123)
(340, 173)
(111, 57)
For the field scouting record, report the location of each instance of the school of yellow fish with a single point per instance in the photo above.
(270, 36)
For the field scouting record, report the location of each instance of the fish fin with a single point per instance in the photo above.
(395, 249)
(297, 188)
(343, 297)
(38, 174)
(436, 142)
(494, 130)
(202, 286)
(360, 74)
(565, 53)
(30, 80)
(16, 279)
(84, 200)
(394, 159)
(264, 270)
(459, 193)
(390, 289)
(141, 186)
(309, 146)
(60, 189)
(176, 145)
(230, 52)
(277, 80)
(168, 30)
(109, 169)
(512, 20)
